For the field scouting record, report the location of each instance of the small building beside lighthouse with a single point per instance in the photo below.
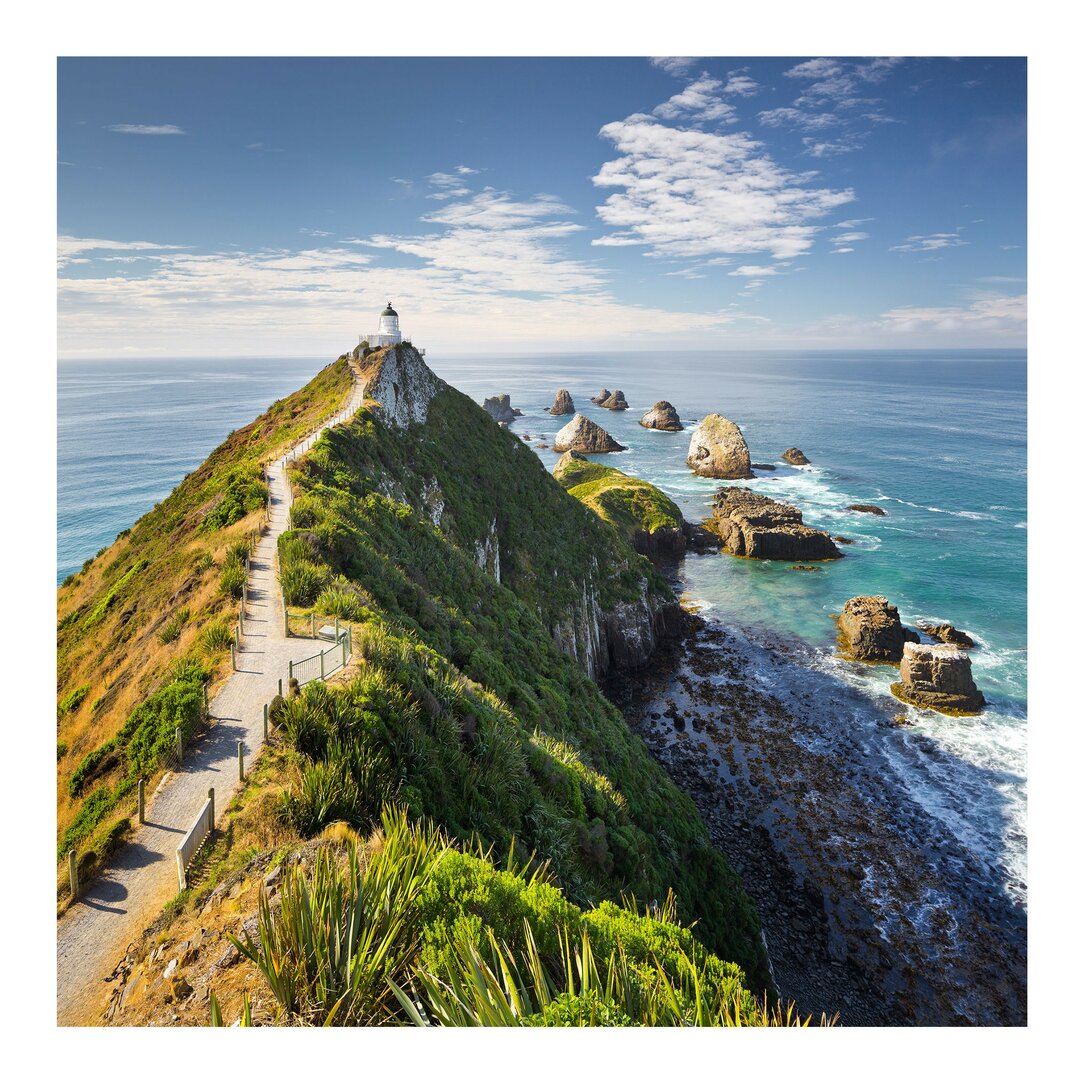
(389, 332)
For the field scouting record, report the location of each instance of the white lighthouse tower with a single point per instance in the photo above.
(389, 332)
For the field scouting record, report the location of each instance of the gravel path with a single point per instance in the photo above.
(129, 894)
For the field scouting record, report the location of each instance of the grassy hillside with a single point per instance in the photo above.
(146, 623)
(463, 708)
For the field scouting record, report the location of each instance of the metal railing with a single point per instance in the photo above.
(325, 662)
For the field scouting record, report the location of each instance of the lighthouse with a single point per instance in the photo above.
(389, 332)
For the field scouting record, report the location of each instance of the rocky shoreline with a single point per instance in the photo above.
(870, 906)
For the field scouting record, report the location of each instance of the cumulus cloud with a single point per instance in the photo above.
(699, 102)
(145, 129)
(690, 193)
(679, 66)
(930, 242)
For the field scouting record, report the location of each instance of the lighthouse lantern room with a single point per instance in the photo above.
(389, 332)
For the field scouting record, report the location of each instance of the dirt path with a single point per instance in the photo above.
(127, 896)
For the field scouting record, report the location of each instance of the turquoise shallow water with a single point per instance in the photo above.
(937, 440)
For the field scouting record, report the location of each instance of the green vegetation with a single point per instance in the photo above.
(462, 705)
(239, 492)
(173, 628)
(72, 700)
(408, 930)
(633, 506)
(141, 746)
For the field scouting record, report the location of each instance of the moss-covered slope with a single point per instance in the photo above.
(645, 516)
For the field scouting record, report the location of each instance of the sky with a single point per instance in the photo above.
(270, 207)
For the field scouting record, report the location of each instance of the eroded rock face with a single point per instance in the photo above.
(564, 404)
(947, 634)
(614, 400)
(758, 527)
(869, 628)
(583, 435)
(663, 417)
(795, 456)
(718, 450)
(499, 409)
(403, 385)
(600, 398)
(938, 677)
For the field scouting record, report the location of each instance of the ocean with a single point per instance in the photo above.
(937, 439)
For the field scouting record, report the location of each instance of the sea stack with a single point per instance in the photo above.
(869, 628)
(868, 508)
(795, 456)
(758, 527)
(718, 450)
(662, 417)
(564, 404)
(947, 634)
(498, 408)
(601, 397)
(938, 677)
(583, 435)
(615, 400)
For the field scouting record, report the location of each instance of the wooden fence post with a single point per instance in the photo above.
(279, 688)
(232, 649)
(240, 758)
(210, 796)
(322, 664)
(142, 802)
(73, 874)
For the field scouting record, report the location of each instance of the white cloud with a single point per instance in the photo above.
(679, 66)
(852, 223)
(489, 272)
(698, 103)
(692, 194)
(814, 69)
(740, 84)
(830, 147)
(755, 271)
(464, 170)
(447, 186)
(842, 251)
(809, 121)
(67, 247)
(145, 129)
(990, 314)
(849, 237)
(317, 233)
(930, 242)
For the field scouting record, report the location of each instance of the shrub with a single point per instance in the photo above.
(149, 734)
(173, 628)
(72, 700)
(233, 577)
(215, 637)
(341, 600)
(61, 749)
(302, 581)
(240, 492)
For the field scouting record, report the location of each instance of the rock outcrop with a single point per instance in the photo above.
(869, 628)
(868, 508)
(756, 465)
(615, 400)
(938, 677)
(795, 456)
(500, 410)
(718, 450)
(662, 417)
(564, 404)
(758, 527)
(585, 436)
(397, 378)
(600, 398)
(947, 634)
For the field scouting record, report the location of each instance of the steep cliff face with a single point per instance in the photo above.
(435, 450)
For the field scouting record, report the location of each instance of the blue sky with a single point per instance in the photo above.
(270, 207)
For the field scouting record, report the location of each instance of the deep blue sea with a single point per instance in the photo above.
(938, 439)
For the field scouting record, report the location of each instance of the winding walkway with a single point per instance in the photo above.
(129, 894)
